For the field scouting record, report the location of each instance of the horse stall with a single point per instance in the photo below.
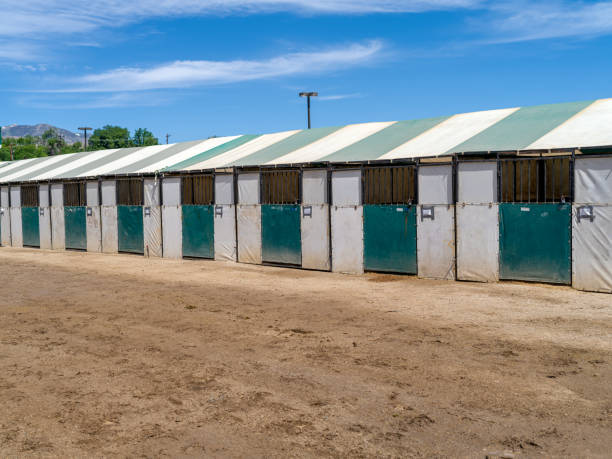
(75, 219)
(535, 219)
(130, 221)
(592, 224)
(198, 220)
(389, 219)
(281, 229)
(30, 221)
(436, 222)
(315, 226)
(477, 221)
(347, 221)
(248, 218)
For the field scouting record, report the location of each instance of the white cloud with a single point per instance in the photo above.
(339, 96)
(182, 74)
(44, 17)
(96, 101)
(514, 21)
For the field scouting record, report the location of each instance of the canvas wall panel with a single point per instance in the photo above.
(436, 184)
(477, 182)
(592, 251)
(152, 230)
(109, 193)
(44, 225)
(171, 191)
(5, 217)
(224, 189)
(172, 231)
(346, 187)
(94, 228)
(110, 241)
(16, 231)
(15, 192)
(593, 180)
(347, 239)
(314, 187)
(58, 227)
(92, 191)
(151, 192)
(43, 195)
(225, 234)
(436, 244)
(248, 188)
(478, 243)
(249, 234)
(315, 238)
(57, 195)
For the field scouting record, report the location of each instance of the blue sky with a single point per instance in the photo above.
(196, 68)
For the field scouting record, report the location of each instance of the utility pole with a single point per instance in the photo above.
(308, 95)
(11, 148)
(167, 136)
(85, 129)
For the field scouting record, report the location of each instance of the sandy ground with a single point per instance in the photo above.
(118, 355)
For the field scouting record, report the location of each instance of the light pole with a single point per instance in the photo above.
(308, 95)
(167, 137)
(85, 129)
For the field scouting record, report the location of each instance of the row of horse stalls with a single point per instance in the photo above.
(530, 217)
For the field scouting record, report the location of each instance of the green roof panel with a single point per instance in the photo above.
(227, 146)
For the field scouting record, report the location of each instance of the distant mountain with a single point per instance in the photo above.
(22, 130)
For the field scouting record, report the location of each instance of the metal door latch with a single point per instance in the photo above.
(147, 211)
(586, 213)
(89, 211)
(427, 212)
(42, 212)
(219, 211)
(307, 211)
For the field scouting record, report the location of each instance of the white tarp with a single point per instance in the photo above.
(593, 178)
(93, 220)
(314, 186)
(249, 234)
(58, 226)
(478, 242)
(436, 184)
(248, 188)
(592, 250)
(152, 231)
(16, 231)
(225, 233)
(44, 217)
(477, 182)
(110, 232)
(94, 229)
(172, 221)
(315, 237)
(224, 189)
(436, 243)
(347, 239)
(152, 218)
(5, 217)
(110, 240)
(346, 187)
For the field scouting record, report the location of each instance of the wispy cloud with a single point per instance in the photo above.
(36, 17)
(183, 74)
(93, 101)
(520, 20)
(340, 96)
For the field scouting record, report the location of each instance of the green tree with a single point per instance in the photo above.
(109, 137)
(143, 138)
(53, 141)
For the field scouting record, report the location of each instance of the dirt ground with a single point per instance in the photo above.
(118, 355)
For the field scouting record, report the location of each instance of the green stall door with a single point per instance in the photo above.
(199, 231)
(390, 238)
(535, 242)
(281, 237)
(76, 227)
(30, 225)
(130, 228)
